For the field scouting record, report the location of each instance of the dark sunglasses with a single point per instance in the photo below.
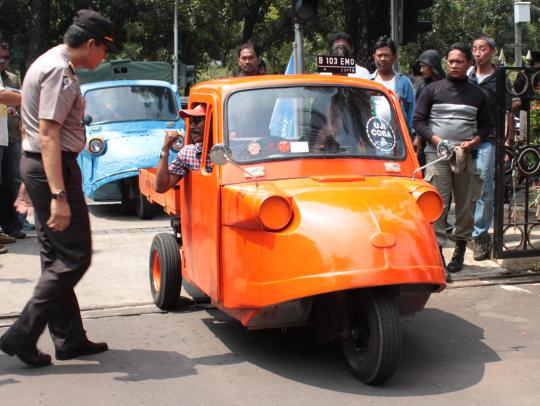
(196, 120)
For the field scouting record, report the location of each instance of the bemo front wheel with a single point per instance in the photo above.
(372, 340)
(165, 271)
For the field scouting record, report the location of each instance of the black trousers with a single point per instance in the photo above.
(9, 188)
(65, 257)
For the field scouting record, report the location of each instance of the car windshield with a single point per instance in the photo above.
(131, 103)
(285, 123)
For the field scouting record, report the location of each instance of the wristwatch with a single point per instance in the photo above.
(163, 154)
(59, 195)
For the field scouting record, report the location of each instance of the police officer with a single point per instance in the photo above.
(52, 110)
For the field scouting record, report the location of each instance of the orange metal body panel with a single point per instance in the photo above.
(343, 235)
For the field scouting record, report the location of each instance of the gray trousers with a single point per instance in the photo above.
(65, 257)
(465, 188)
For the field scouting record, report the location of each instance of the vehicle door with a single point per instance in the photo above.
(200, 217)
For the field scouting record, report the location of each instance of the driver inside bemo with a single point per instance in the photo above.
(189, 157)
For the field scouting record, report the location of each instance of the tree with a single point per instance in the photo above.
(211, 30)
(38, 39)
(368, 20)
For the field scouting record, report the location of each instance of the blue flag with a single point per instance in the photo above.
(283, 123)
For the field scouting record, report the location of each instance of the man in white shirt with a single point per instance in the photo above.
(384, 57)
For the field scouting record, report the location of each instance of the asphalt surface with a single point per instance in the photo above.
(469, 346)
(477, 342)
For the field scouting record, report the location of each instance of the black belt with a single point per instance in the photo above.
(66, 156)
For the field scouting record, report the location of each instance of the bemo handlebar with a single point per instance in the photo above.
(445, 150)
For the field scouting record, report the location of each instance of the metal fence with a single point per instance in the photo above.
(517, 164)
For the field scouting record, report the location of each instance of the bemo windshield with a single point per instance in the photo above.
(312, 121)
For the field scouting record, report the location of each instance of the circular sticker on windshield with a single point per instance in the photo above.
(284, 146)
(380, 134)
(254, 148)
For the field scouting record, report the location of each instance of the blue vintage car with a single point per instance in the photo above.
(125, 122)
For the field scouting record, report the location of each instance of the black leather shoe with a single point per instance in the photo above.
(19, 235)
(32, 357)
(86, 348)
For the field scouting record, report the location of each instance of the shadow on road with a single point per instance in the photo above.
(118, 212)
(132, 365)
(441, 353)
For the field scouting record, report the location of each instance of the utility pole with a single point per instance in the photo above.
(394, 29)
(304, 12)
(175, 57)
(518, 49)
(298, 48)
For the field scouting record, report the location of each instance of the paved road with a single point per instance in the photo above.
(472, 345)
(117, 277)
(476, 346)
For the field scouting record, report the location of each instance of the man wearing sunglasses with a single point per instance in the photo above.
(52, 109)
(189, 157)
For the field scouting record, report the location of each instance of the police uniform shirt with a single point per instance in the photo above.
(51, 92)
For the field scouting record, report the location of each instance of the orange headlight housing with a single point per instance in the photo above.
(275, 212)
(256, 208)
(430, 202)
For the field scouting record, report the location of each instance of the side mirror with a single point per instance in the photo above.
(87, 119)
(220, 154)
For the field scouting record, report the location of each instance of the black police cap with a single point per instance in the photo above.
(99, 26)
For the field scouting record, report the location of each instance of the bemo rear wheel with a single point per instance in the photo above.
(165, 271)
(372, 340)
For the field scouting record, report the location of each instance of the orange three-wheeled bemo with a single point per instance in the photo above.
(317, 218)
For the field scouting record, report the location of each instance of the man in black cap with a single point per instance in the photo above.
(52, 110)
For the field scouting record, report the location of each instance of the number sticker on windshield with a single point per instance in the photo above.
(380, 134)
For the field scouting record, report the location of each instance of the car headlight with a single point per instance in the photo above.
(96, 146)
(430, 203)
(275, 212)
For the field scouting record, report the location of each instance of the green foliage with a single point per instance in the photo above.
(211, 30)
(465, 20)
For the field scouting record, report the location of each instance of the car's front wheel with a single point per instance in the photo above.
(372, 338)
(165, 271)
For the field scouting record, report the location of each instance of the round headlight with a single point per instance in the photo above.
(275, 212)
(430, 203)
(96, 146)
